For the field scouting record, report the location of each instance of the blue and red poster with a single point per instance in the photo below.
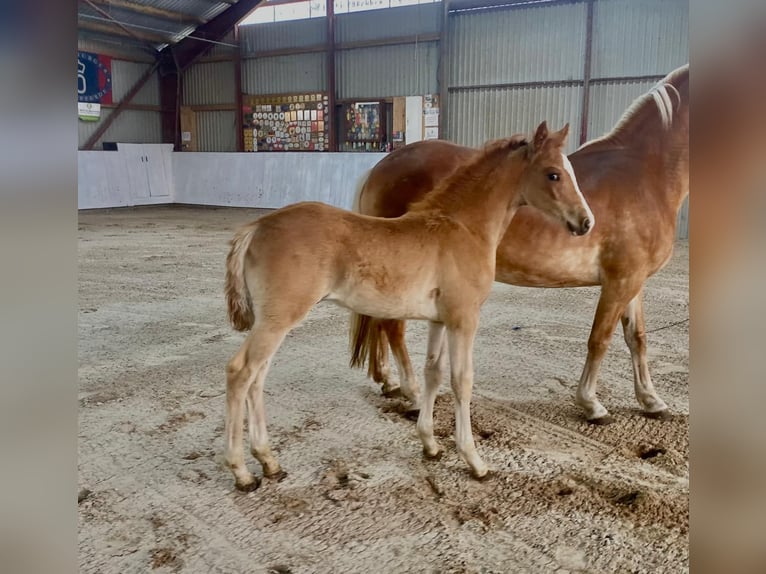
(94, 78)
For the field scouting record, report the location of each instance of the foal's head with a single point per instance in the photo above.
(549, 182)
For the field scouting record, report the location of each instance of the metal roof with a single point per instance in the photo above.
(145, 24)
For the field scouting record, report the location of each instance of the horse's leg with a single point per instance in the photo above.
(256, 425)
(246, 369)
(436, 358)
(409, 382)
(610, 306)
(461, 376)
(379, 369)
(635, 337)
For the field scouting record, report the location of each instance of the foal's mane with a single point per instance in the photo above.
(664, 95)
(461, 184)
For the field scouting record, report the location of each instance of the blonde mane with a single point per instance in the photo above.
(659, 95)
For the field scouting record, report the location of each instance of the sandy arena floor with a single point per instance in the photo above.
(567, 497)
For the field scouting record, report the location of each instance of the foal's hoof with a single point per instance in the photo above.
(250, 486)
(484, 478)
(602, 421)
(278, 476)
(436, 456)
(663, 415)
(392, 393)
(412, 414)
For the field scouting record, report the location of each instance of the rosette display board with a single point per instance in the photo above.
(286, 122)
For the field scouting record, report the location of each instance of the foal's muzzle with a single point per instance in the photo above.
(584, 227)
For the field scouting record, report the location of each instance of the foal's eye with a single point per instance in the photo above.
(553, 176)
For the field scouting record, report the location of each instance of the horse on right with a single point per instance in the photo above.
(635, 179)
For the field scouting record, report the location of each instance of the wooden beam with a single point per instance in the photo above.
(115, 30)
(150, 11)
(333, 135)
(346, 46)
(140, 83)
(441, 76)
(238, 91)
(137, 107)
(586, 75)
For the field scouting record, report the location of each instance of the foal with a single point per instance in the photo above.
(437, 262)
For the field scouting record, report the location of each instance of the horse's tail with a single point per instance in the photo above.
(238, 297)
(367, 342)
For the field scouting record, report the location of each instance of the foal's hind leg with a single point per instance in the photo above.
(436, 359)
(248, 367)
(256, 425)
(635, 337)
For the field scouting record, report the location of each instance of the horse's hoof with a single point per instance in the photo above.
(663, 415)
(278, 476)
(484, 478)
(602, 421)
(392, 393)
(412, 414)
(249, 487)
(436, 456)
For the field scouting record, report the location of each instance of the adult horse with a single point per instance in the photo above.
(635, 179)
(436, 262)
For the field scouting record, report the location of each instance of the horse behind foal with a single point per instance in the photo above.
(436, 262)
(635, 179)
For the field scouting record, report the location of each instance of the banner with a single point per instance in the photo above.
(94, 83)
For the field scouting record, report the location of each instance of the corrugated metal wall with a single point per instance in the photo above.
(282, 35)
(383, 71)
(285, 74)
(509, 48)
(503, 46)
(639, 37)
(131, 126)
(609, 100)
(209, 83)
(487, 113)
(392, 23)
(217, 131)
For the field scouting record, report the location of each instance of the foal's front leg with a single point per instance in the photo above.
(460, 342)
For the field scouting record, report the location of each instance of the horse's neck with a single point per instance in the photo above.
(482, 199)
(647, 156)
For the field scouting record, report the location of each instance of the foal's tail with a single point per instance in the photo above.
(238, 297)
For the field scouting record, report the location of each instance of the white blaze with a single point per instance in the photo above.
(570, 170)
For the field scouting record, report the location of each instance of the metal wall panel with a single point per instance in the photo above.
(639, 37)
(285, 74)
(609, 101)
(540, 43)
(126, 74)
(476, 116)
(280, 35)
(217, 131)
(390, 23)
(115, 47)
(131, 126)
(209, 83)
(219, 51)
(383, 71)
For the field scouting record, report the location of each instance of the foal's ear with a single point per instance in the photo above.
(517, 141)
(541, 135)
(561, 136)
